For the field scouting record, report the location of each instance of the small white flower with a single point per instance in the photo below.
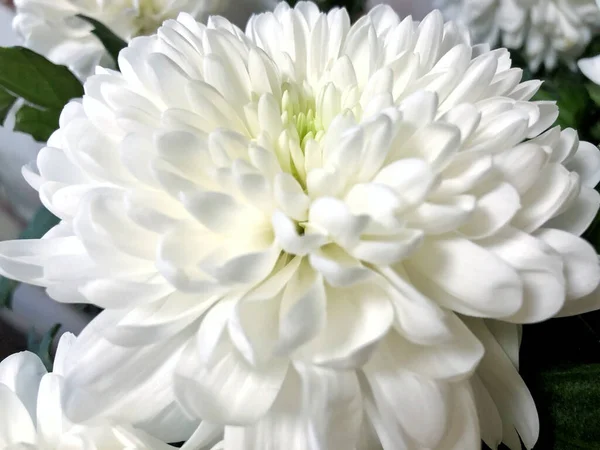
(289, 229)
(51, 28)
(31, 416)
(590, 67)
(548, 31)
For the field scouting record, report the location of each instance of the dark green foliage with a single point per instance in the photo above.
(32, 77)
(42, 346)
(7, 100)
(39, 123)
(45, 86)
(112, 43)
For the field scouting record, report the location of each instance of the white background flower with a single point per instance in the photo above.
(51, 28)
(282, 232)
(16, 149)
(31, 415)
(415, 8)
(548, 30)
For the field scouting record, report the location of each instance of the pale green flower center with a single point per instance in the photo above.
(299, 111)
(148, 16)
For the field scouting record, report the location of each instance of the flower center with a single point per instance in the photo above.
(148, 16)
(302, 127)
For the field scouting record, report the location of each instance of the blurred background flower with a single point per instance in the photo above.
(415, 8)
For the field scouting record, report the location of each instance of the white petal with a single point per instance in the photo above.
(66, 341)
(540, 271)
(463, 432)
(465, 277)
(490, 421)
(51, 422)
(454, 359)
(586, 163)
(358, 317)
(338, 267)
(136, 375)
(580, 214)
(335, 218)
(22, 373)
(442, 217)
(581, 269)
(546, 197)
(333, 406)
(411, 178)
(290, 196)
(494, 209)
(418, 404)
(590, 67)
(303, 309)
(418, 319)
(508, 390)
(153, 322)
(290, 240)
(16, 425)
(226, 389)
(590, 302)
(386, 250)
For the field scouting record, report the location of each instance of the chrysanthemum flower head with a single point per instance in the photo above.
(548, 31)
(293, 230)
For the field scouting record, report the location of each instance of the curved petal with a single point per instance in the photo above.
(454, 359)
(505, 386)
(139, 389)
(590, 67)
(418, 319)
(586, 163)
(420, 405)
(227, 389)
(463, 430)
(494, 209)
(22, 373)
(154, 322)
(358, 317)
(581, 270)
(51, 422)
(490, 421)
(16, 425)
(573, 307)
(580, 214)
(465, 277)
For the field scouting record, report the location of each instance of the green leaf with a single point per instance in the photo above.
(40, 224)
(43, 346)
(112, 43)
(7, 100)
(38, 227)
(573, 396)
(37, 80)
(594, 92)
(39, 123)
(7, 288)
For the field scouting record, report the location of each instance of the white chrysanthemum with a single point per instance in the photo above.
(51, 28)
(549, 31)
(31, 416)
(282, 226)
